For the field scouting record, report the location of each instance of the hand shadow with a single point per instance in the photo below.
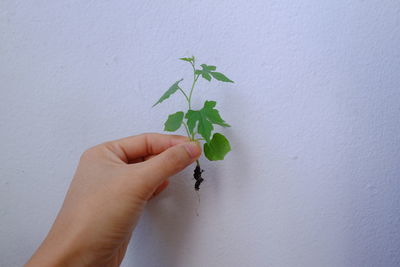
(163, 233)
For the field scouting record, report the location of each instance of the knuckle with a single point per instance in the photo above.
(87, 154)
(149, 135)
(110, 146)
(90, 153)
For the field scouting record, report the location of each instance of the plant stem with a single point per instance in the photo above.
(195, 77)
(187, 129)
(184, 94)
(189, 99)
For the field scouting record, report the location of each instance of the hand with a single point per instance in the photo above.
(111, 186)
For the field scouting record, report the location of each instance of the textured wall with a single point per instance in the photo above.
(313, 179)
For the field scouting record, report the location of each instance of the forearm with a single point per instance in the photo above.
(61, 247)
(55, 253)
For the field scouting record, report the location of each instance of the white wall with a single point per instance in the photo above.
(313, 178)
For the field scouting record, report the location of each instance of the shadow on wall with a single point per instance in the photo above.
(162, 236)
(169, 227)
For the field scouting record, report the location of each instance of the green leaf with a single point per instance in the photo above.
(220, 77)
(217, 148)
(207, 71)
(174, 122)
(208, 67)
(188, 59)
(212, 114)
(206, 76)
(204, 119)
(194, 118)
(169, 92)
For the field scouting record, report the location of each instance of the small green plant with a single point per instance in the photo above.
(199, 122)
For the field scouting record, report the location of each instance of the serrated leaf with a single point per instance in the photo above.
(204, 120)
(217, 148)
(220, 77)
(169, 92)
(174, 122)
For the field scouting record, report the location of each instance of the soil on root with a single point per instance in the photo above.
(197, 176)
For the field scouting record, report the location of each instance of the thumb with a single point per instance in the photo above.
(171, 161)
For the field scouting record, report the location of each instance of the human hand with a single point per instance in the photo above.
(112, 184)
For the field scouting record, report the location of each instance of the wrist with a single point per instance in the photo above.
(58, 251)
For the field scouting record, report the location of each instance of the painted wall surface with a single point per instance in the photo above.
(314, 175)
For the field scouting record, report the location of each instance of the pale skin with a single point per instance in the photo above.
(111, 186)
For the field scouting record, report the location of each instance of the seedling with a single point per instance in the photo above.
(199, 124)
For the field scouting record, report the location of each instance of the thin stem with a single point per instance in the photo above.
(187, 129)
(195, 77)
(189, 99)
(184, 94)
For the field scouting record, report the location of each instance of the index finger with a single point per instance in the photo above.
(143, 145)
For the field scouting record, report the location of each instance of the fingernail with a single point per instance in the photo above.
(193, 149)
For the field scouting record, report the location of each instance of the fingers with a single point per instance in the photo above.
(169, 162)
(141, 159)
(131, 148)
